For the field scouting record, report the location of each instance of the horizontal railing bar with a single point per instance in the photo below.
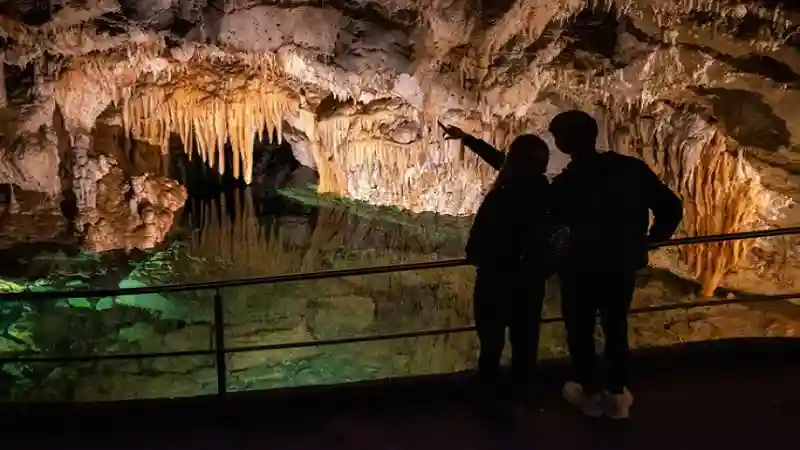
(749, 299)
(247, 349)
(693, 240)
(112, 357)
(411, 334)
(210, 285)
(339, 273)
(352, 340)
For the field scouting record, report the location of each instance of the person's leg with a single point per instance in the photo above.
(619, 289)
(491, 309)
(578, 307)
(489, 304)
(526, 313)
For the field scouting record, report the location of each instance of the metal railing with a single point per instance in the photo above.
(220, 351)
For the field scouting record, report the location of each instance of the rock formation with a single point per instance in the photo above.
(702, 90)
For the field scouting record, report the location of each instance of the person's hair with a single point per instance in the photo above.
(528, 152)
(576, 127)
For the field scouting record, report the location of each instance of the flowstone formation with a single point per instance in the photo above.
(702, 90)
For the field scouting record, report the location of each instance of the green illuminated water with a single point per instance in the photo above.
(234, 234)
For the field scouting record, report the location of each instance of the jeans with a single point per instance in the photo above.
(583, 294)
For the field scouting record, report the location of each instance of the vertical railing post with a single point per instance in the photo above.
(219, 345)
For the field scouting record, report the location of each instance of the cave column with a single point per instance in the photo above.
(85, 191)
(3, 94)
(39, 71)
(13, 206)
(86, 172)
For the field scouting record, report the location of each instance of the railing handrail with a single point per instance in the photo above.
(220, 351)
(747, 299)
(339, 273)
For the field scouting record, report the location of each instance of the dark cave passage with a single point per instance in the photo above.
(274, 167)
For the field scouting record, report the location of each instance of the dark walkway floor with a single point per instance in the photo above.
(736, 395)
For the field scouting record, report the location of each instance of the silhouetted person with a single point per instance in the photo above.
(504, 245)
(606, 200)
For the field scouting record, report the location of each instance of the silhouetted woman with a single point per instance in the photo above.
(510, 282)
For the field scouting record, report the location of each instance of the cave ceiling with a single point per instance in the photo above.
(357, 86)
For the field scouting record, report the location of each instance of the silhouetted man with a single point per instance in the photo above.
(605, 199)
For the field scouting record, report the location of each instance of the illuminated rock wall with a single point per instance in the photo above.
(358, 87)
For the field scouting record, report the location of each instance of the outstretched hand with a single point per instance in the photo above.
(453, 132)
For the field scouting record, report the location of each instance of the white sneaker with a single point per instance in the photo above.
(590, 405)
(617, 406)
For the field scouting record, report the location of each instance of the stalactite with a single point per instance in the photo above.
(354, 158)
(235, 114)
(721, 192)
(726, 200)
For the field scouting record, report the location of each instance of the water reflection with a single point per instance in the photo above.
(238, 234)
(229, 231)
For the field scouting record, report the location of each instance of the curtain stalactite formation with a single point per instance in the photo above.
(211, 116)
(721, 192)
(725, 200)
(354, 158)
(351, 155)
